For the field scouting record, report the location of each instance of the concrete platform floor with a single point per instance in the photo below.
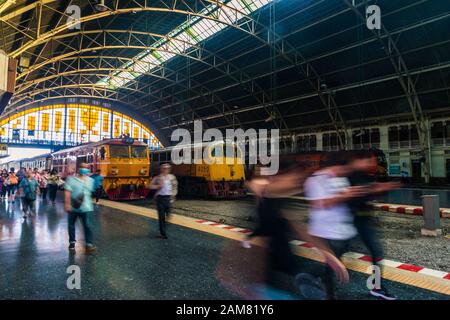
(131, 263)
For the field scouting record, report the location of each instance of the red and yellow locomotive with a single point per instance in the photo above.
(124, 163)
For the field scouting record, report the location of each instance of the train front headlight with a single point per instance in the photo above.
(143, 172)
(114, 172)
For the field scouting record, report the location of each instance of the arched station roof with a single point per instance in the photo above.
(296, 65)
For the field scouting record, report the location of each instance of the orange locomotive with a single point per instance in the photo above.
(124, 163)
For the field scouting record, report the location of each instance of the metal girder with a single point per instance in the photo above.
(407, 84)
(85, 90)
(245, 24)
(283, 49)
(91, 41)
(6, 4)
(98, 39)
(350, 86)
(91, 64)
(81, 80)
(321, 56)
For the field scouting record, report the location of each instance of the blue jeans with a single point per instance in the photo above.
(85, 220)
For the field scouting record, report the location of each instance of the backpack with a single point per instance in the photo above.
(13, 179)
(29, 195)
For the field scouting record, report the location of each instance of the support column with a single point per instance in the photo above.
(319, 141)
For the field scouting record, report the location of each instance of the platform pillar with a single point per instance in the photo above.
(432, 220)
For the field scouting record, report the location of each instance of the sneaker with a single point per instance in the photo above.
(72, 247)
(382, 293)
(91, 249)
(246, 244)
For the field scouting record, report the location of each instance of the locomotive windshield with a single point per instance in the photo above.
(139, 152)
(117, 151)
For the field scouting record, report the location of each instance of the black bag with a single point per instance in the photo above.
(78, 201)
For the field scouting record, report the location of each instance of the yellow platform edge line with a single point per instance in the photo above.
(394, 274)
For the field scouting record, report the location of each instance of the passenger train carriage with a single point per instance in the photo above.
(210, 178)
(41, 162)
(124, 164)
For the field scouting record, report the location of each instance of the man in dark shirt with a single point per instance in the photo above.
(363, 167)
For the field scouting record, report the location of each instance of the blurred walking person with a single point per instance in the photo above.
(363, 166)
(21, 173)
(330, 221)
(53, 182)
(98, 184)
(43, 184)
(167, 188)
(78, 204)
(12, 182)
(3, 183)
(278, 226)
(28, 189)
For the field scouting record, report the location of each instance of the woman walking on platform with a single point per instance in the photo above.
(43, 184)
(53, 182)
(167, 187)
(28, 189)
(12, 182)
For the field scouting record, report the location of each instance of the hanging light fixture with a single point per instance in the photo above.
(52, 69)
(101, 6)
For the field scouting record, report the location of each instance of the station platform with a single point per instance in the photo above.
(132, 262)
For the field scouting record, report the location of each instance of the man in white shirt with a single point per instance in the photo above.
(167, 187)
(331, 221)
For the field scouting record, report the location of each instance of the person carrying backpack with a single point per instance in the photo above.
(78, 204)
(12, 183)
(28, 188)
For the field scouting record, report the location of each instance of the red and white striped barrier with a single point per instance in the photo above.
(352, 255)
(407, 209)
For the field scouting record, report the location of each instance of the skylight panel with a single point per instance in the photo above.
(184, 36)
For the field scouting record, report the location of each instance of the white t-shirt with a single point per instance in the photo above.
(334, 222)
(166, 189)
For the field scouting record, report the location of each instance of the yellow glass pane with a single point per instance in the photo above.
(58, 120)
(126, 128)
(93, 119)
(105, 122)
(116, 127)
(31, 123)
(72, 119)
(45, 126)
